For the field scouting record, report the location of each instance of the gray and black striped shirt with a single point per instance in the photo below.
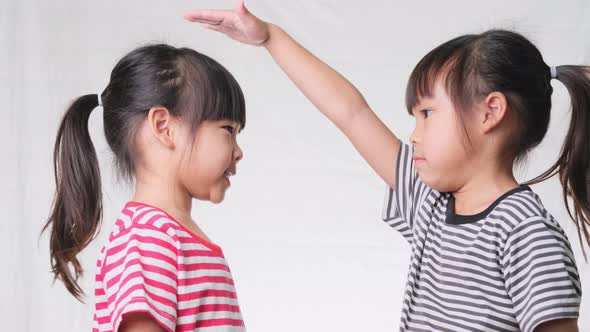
(508, 268)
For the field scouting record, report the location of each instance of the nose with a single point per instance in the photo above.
(414, 137)
(238, 154)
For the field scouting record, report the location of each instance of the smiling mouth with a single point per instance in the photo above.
(229, 173)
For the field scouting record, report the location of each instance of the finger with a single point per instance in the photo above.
(202, 20)
(211, 15)
(212, 27)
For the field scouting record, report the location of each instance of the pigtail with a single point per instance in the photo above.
(573, 164)
(76, 213)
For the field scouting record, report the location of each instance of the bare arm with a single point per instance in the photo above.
(329, 91)
(139, 322)
(338, 100)
(559, 325)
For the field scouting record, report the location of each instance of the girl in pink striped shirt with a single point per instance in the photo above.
(171, 117)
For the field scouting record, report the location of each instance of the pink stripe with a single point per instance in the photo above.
(205, 279)
(146, 281)
(201, 253)
(152, 282)
(138, 217)
(205, 293)
(157, 319)
(202, 266)
(135, 220)
(209, 323)
(102, 320)
(144, 267)
(129, 213)
(143, 253)
(107, 319)
(194, 238)
(142, 238)
(156, 298)
(219, 322)
(208, 308)
(120, 223)
(101, 305)
(171, 225)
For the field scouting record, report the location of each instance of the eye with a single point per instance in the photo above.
(230, 129)
(426, 113)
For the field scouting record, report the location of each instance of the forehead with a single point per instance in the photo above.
(437, 96)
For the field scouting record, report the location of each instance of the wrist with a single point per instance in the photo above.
(273, 30)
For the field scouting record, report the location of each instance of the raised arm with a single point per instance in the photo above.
(330, 92)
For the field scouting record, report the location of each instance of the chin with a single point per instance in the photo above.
(217, 198)
(432, 182)
(214, 194)
(440, 185)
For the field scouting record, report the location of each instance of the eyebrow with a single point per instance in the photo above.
(236, 126)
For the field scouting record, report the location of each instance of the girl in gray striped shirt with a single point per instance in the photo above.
(486, 255)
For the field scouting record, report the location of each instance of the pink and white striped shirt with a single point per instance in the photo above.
(153, 264)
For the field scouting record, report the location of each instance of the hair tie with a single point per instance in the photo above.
(553, 72)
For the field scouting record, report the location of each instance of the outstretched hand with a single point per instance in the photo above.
(238, 24)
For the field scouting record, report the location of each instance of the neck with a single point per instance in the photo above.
(483, 188)
(170, 197)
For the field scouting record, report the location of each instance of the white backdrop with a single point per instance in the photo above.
(301, 224)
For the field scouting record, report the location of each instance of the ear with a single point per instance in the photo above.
(495, 107)
(162, 126)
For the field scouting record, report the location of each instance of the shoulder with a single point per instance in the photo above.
(526, 226)
(140, 225)
(518, 211)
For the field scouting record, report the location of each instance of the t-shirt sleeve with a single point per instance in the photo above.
(402, 202)
(141, 276)
(540, 273)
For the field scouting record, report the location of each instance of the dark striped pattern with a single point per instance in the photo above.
(509, 271)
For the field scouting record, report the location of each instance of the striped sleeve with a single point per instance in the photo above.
(141, 275)
(540, 274)
(402, 202)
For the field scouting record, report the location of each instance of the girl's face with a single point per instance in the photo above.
(208, 163)
(440, 147)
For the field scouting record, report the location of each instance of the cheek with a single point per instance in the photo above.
(192, 176)
(202, 172)
(444, 146)
(213, 158)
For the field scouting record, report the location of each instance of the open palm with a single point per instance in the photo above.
(238, 24)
